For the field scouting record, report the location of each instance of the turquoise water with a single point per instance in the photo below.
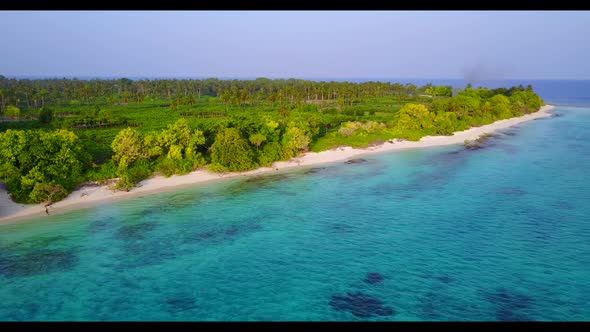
(499, 233)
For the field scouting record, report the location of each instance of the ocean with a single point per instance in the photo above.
(500, 233)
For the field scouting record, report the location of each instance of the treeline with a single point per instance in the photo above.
(235, 145)
(468, 108)
(36, 94)
(44, 166)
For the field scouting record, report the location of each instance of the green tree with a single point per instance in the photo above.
(127, 147)
(294, 141)
(45, 115)
(226, 97)
(231, 152)
(439, 106)
(35, 162)
(525, 101)
(257, 139)
(414, 117)
(150, 145)
(445, 123)
(442, 90)
(133, 174)
(465, 104)
(270, 152)
(501, 107)
(12, 111)
(180, 136)
(48, 192)
(270, 129)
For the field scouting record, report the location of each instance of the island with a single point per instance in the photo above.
(67, 143)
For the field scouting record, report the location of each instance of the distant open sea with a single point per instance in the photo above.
(500, 233)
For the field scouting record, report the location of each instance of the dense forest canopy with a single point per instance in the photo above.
(38, 93)
(58, 133)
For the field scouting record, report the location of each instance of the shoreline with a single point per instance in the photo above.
(11, 212)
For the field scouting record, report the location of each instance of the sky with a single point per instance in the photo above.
(300, 44)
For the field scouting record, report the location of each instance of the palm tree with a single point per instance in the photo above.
(43, 93)
(2, 101)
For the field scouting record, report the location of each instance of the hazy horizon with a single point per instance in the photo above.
(107, 77)
(473, 46)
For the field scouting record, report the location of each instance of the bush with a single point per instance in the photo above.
(355, 127)
(347, 129)
(439, 106)
(106, 171)
(445, 123)
(130, 176)
(232, 152)
(415, 117)
(127, 146)
(270, 152)
(294, 141)
(12, 111)
(45, 115)
(47, 192)
(168, 166)
(36, 160)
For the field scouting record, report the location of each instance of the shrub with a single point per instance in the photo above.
(133, 174)
(232, 152)
(270, 153)
(106, 171)
(12, 111)
(48, 192)
(355, 127)
(45, 115)
(294, 141)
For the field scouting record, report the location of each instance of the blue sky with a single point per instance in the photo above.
(304, 44)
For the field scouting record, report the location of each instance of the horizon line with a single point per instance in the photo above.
(86, 77)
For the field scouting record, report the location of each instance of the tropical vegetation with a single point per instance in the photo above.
(58, 133)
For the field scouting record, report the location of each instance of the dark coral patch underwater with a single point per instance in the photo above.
(219, 235)
(36, 262)
(315, 170)
(445, 279)
(511, 191)
(373, 278)
(356, 161)
(137, 231)
(37, 256)
(509, 305)
(360, 305)
(180, 303)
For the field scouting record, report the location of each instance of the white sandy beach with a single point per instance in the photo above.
(88, 196)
